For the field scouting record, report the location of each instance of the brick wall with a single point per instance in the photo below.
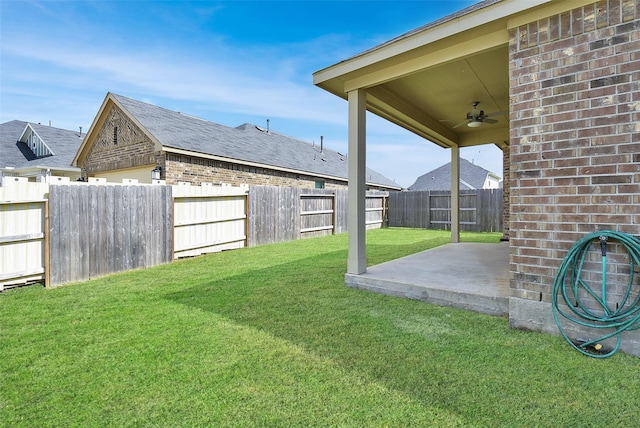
(119, 144)
(182, 168)
(575, 136)
(506, 192)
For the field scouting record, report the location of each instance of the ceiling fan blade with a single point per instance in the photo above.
(462, 123)
(497, 113)
(487, 120)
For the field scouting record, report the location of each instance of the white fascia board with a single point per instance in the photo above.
(91, 130)
(417, 39)
(58, 168)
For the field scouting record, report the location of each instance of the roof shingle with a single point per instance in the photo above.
(63, 143)
(471, 177)
(246, 142)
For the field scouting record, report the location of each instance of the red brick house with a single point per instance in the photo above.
(563, 78)
(135, 140)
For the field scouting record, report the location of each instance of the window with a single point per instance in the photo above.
(115, 135)
(319, 184)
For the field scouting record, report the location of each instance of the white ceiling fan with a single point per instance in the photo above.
(477, 117)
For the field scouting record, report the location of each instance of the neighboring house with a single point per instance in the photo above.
(561, 78)
(133, 139)
(37, 151)
(472, 177)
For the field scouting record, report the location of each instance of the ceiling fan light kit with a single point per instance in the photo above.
(476, 118)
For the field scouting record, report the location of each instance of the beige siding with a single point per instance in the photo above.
(141, 174)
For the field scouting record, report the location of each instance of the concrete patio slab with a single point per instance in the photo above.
(470, 276)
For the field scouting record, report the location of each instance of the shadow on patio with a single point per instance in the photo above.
(470, 276)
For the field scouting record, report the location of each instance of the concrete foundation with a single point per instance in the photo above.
(464, 275)
(538, 316)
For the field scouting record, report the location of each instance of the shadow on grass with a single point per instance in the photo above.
(470, 364)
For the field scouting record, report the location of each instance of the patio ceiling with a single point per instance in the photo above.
(434, 102)
(426, 81)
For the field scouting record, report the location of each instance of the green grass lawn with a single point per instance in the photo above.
(270, 336)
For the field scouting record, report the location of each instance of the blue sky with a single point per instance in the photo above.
(230, 62)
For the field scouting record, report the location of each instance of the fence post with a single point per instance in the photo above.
(47, 247)
(334, 216)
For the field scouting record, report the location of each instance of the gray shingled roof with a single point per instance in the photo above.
(471, 177)
(247, 142)
(62, 142)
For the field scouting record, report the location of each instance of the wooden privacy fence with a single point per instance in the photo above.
(480, 210)
(69, 231)
(279, 214)
(94, 230)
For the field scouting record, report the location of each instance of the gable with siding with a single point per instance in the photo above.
(35, 151)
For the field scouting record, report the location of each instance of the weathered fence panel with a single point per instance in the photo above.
(98, 229)
(480, 210)
(209, 219)
(23, 207)
(317, 214)
(273, 214)
(279, 214)
(375, 210)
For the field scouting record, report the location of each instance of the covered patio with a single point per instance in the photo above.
(449, 83)
(468, 275)
(546, 81)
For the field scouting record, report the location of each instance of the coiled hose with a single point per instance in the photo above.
(589, 308)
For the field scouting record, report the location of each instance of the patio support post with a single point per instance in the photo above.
(455, 194)
(356, 219)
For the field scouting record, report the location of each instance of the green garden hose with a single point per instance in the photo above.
(590, 308)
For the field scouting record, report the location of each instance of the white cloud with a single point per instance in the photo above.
(63, 75)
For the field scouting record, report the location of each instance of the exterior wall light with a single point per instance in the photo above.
(155, 173)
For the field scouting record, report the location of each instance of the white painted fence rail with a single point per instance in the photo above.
(209, 218)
